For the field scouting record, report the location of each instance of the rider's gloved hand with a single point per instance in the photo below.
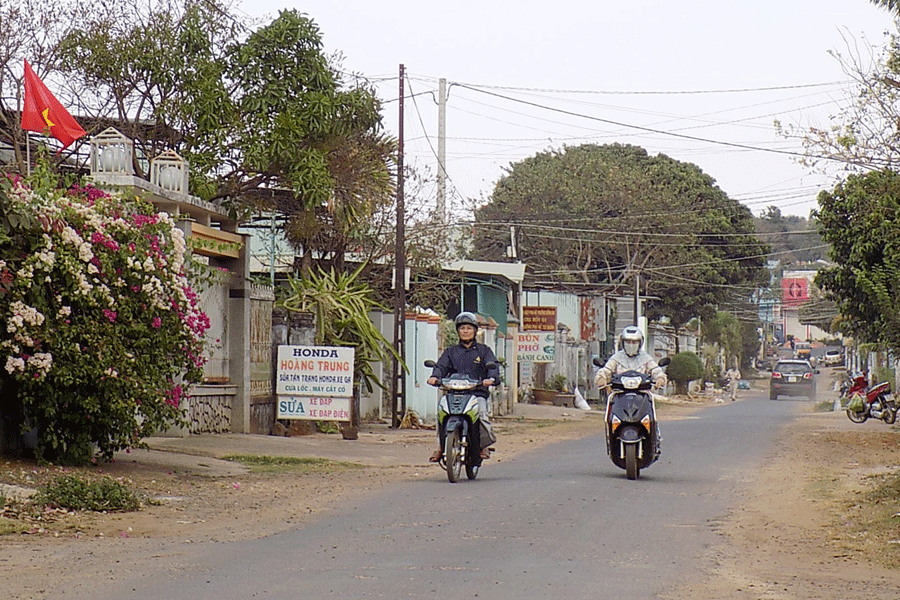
(432, 381)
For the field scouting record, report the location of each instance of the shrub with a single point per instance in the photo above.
(101, 327)
(558, 383)
(685, 367)
(75, 493)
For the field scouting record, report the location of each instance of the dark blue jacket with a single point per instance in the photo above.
(469, 361)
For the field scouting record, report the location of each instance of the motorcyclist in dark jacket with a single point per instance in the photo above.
(469, 358)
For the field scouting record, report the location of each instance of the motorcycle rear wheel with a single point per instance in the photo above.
(453, 455)
(472, 471)
(889, 414)
(857, 417)
(632, 471)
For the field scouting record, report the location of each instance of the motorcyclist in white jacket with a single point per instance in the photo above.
(631, 357)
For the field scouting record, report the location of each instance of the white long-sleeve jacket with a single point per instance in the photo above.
(621, 362)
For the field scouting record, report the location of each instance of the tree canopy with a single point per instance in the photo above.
(860, 218)
(790, 238)
(591, 217)
(263, 116)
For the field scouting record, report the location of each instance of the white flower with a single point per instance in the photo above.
(85, 252)
(14, 364)
(41, 361)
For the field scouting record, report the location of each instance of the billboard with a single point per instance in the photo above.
(794, 291)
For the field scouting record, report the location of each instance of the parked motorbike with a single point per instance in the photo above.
(459, 426)
(876, 402)
(632, 431)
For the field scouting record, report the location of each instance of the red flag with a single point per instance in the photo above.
(43, 112)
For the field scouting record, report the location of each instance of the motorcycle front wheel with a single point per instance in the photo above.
(889, 414)
(453, 455)
(857, 417)
(631, 466)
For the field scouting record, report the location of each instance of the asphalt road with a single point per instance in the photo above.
(560, 522)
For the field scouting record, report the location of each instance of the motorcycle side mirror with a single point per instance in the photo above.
(597, 362)
(430, 363)
(664, 361)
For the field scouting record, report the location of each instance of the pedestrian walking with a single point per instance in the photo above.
(734, 376)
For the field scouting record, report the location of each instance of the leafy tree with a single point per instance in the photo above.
(594, 217)
(265, 119)
(725, 331)
(750, 342)
(684, 368)
(790, 238)
(860, 218)
(890, 5)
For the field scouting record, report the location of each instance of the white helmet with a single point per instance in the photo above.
(632, 340)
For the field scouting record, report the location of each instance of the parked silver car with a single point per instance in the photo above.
(832, 357)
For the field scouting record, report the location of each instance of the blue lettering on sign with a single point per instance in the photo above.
(291, 407)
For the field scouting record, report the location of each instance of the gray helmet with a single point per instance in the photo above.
(466, 318)
(632, 334)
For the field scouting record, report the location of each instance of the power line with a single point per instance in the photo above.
(648, 129)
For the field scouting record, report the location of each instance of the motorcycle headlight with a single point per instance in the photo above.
(631, 383)
(457, 384)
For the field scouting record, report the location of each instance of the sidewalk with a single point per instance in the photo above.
(378, 445)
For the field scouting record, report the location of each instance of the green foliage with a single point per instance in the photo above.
(76, 493)
(102, 327)
(683, 368)
(558, 383)
(600, 214)
(725, 331)
(793, 238)
(860, 218)
(341, 303)
(262, 115)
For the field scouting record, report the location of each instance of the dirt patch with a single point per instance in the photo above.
(798, 533)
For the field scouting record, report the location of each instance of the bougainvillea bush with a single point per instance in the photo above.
(100, 329)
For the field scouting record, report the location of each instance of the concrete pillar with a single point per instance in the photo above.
(239, 338)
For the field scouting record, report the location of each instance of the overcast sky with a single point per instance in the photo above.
(697, 80)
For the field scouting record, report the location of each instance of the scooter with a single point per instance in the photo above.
(459, 426)
(632, 430)
(876, 402)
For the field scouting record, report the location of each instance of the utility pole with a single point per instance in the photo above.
(637, 297)
(442, 153)
(398, 387)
